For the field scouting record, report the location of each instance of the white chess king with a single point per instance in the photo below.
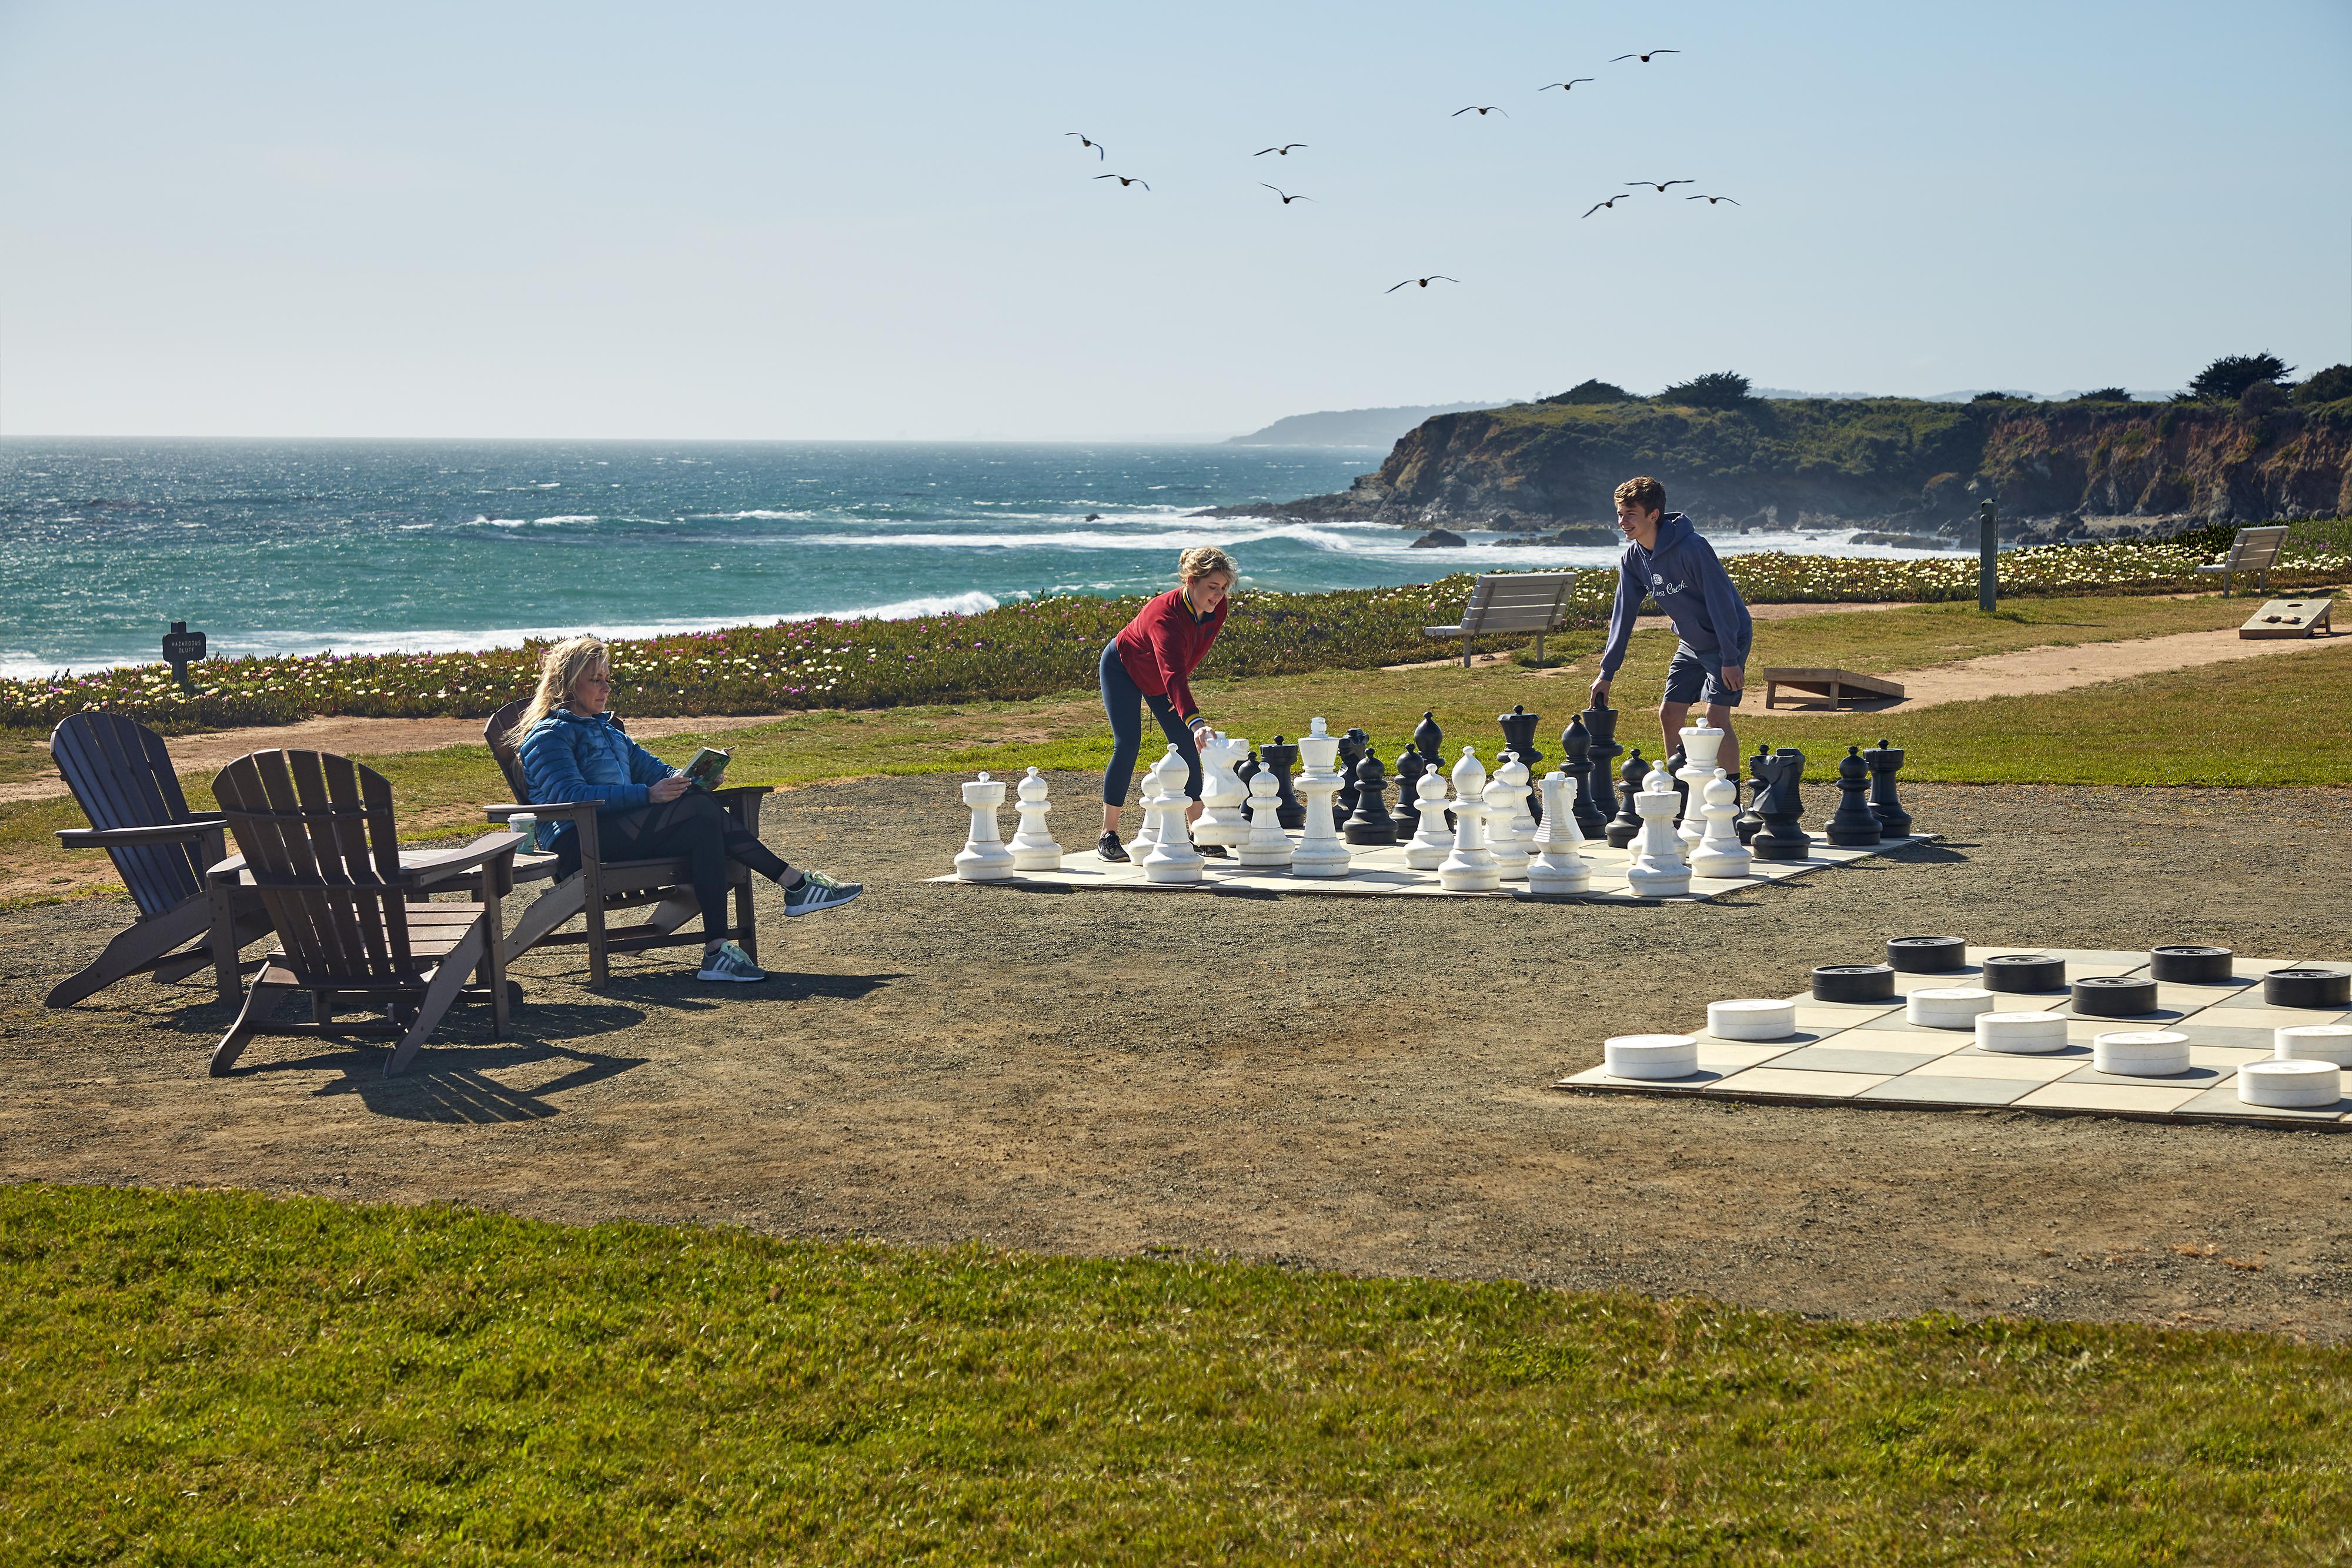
(1321, 851)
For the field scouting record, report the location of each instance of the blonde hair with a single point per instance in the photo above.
(1202, 560)
(560, 670)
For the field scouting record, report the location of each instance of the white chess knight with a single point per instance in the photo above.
(1266, 845)
(1719, 851)
(1433, 840)
(1221, 820)
(1471, 867)
(1505, 789)
(984, 856)
(1034, 848)
(1658, 868)
(1172, 857)
(1321, 851)
(1700, 743)
(1558, 864)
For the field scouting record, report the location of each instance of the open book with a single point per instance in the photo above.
(707, 768)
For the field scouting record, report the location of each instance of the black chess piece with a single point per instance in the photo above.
(1353, 746)
(1280, 758)
(1781, 838)
(1371, 823)
(1675, 762)
(1409, 766)
(1885, 762)
(1519, 737)
(1243, 771)
(1747, 821)
(1626, 825)
(1600, 724)
(1430, 740)
(1576, 744)
(1852, 825)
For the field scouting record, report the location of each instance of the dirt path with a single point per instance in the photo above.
(1339, 1083)
(2026, 672)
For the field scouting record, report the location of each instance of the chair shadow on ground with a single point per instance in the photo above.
(680, 990)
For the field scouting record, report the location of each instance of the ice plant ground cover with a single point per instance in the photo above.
(1038, 646)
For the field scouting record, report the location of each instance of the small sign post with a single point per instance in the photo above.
(1988, 557)
(180, 646)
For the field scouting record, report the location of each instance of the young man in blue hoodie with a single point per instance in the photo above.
(1666, 559)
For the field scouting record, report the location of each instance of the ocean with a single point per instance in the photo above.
(297, 546)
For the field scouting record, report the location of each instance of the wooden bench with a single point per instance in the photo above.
(1511, 601)
(1837, 686)
(2254, 550)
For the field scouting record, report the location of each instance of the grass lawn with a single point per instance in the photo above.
(221, 1377)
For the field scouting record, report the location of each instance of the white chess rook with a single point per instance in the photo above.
(1558, 864)
(1471, 867)
(1221, 820)
(1719, 851)
(1172, 858)
(1267, 846)
(1658, 870)
(1700, 743)
(1034, 848)
(1321, 851)
(984, 856)
(1433, 840)
(1504, 840)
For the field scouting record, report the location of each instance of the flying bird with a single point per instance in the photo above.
(1124, 182)
(1483, 110)
(1710, 201)
(1085, 141)
(1282, 150)
(1286, 198)
(1609, 202)
(1424, 282)
(1658, 185)
(1645, 59)
(1568, 85)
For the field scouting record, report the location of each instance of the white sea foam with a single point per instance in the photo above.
(757, 514)
(568, 518)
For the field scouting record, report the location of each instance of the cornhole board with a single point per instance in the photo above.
(2290, 618)
(1838, 686)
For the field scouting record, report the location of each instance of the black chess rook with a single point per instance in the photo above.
(1885, 761)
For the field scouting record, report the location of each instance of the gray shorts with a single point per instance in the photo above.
(1690, 678)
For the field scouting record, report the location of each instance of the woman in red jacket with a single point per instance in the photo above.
(1151, 661)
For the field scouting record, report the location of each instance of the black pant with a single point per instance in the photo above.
(698, 830)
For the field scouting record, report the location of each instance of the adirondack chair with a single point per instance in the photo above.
(123, 779)
(1511, 601)
(354, 923)
(601, 887)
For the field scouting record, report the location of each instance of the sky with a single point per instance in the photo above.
(833, 222)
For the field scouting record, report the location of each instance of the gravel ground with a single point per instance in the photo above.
(1354, 1084)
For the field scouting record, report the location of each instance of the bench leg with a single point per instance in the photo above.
(1539, 647)
(1466, 650)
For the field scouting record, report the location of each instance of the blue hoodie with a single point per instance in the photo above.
(1682, 573)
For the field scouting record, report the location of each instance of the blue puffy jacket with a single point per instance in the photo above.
(567, 757)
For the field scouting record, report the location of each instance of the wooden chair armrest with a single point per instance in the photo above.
(743, 802)
(559, 811)
(151, 833)
(424, 870)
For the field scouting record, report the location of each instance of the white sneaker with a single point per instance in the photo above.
(728, 962)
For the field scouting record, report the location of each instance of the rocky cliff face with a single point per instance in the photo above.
(2055, 470)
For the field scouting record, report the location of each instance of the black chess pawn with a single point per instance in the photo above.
(1519, 727)
(1409, 766)
(1781, 838)
(1626, 825)
(1884, 761)
(1280, 758)
(1371, 822)
(1748, 821)
(1578, 747)
(1352, 749)
(1430, 740)
(1244, 771)
(1852, 824)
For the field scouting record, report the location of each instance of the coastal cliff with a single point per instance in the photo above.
(1907, 467)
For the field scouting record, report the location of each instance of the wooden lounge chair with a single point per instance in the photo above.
(2254, 551)
(601, 887)
(1511, 601)
(123, 779)
(353, 924)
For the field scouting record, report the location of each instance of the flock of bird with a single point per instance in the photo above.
(1284, 149)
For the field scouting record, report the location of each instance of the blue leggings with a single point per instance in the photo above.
(1123, 700)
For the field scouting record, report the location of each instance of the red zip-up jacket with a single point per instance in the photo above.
(1164, 644)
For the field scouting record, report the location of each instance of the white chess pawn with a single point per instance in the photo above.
(1321, 851)
(1471, 867)
(1503, 840)
(1433, 840)
(984, 856)
(1221, 820)
(1719, 851)
(1559, 865)
(1523, 821)
(1658, 869)
(1172, 857)
(1700, 743)
(1034, 848)
(1267, 846)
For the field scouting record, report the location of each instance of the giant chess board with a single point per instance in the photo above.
(1868, 1054)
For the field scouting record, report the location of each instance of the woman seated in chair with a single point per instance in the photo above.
(572, 750)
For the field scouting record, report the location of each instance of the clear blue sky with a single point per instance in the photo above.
(864, 221)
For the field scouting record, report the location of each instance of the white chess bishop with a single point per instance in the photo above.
(1172, 858)
(1700, 743)
(1034, 848)
(1558, 864)
(1221, 820)
(1658, 869)
(1433, 840)
(1506, 796)
(1266, 847)
(984, 857)
(1321, 851)
(1719, 851)
(1471, 867)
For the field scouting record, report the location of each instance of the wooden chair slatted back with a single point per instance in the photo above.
(499, 736)
(316, 831)
(123, 777)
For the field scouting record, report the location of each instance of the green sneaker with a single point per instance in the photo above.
(728, 962)
(818, 891)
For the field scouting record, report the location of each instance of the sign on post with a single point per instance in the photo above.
(180, 646)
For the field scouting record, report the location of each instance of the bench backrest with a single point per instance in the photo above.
(122, 777)
(1518, 601)
(2255, 549)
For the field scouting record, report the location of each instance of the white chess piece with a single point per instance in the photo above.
(1471, 867)
(1658, 870)
(1148, 834)
(1719, 851)
(1504, 840)
(1700, 743)
(1522, 820)
(1558, 865)
(1172, 857)
(1433, 840)
(1034, 848)
(1321, 851)
(984, 856)
(1221, 820)
(1267, 846)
